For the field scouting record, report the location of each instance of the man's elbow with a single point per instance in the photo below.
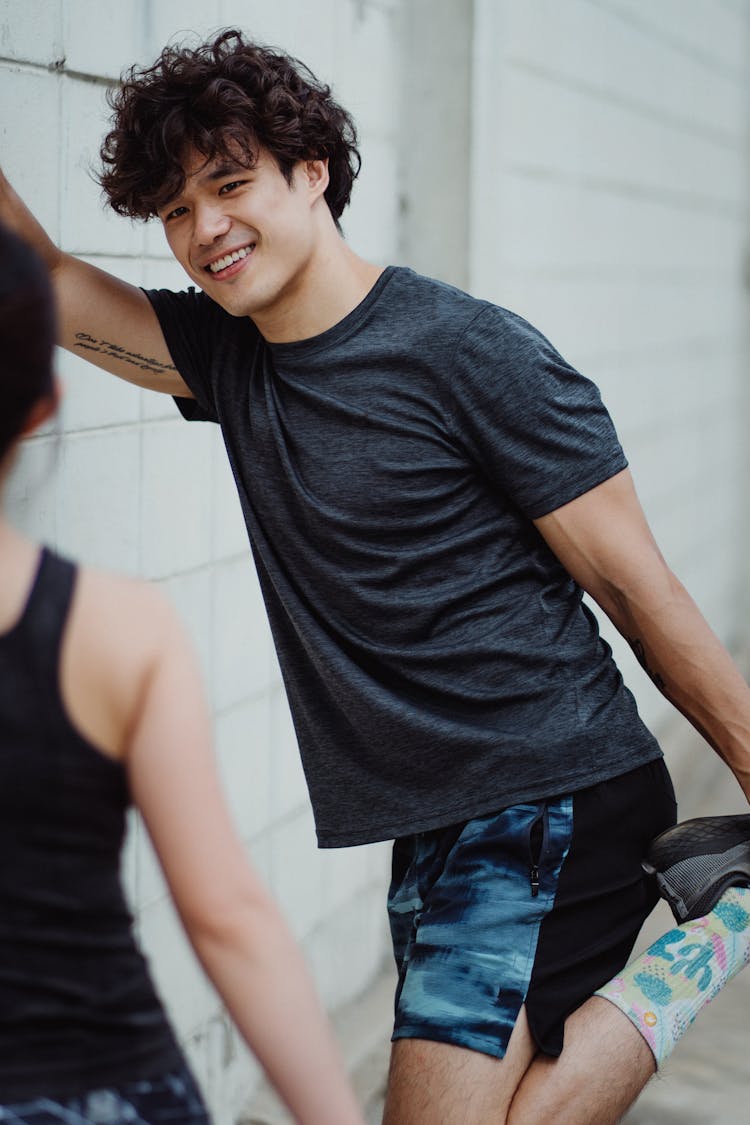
(638, 595)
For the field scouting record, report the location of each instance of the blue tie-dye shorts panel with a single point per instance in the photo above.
(172, 1099)
(465, 907)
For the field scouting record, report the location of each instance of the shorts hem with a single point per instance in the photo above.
(440, 1035)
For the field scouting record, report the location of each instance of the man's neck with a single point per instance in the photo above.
(333, 284)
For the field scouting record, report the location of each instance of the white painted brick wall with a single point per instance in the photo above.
(609, 206)
(134, 488)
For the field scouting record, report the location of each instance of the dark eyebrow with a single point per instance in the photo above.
(228, 168)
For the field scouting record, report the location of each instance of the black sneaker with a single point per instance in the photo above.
(696, 861)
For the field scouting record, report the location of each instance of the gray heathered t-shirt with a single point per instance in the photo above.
(438, 659)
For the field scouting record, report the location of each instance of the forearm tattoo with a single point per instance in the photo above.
(114, 351)
(640, 652)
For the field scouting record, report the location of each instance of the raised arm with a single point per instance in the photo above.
(604, 542)
(105, 320)
(233, 923)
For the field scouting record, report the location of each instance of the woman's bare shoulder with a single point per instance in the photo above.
(119, 630)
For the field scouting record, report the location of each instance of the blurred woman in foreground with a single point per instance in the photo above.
(101, 705)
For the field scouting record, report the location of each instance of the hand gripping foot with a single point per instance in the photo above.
(696, 861)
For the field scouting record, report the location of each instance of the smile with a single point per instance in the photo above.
(230, 259)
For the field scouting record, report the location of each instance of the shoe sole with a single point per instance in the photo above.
(694, 863)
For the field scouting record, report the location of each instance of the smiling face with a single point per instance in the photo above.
(247, 236)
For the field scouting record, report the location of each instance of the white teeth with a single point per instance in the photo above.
(235, 256)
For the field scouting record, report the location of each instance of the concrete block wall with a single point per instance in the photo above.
(610, 207)
(122, 482)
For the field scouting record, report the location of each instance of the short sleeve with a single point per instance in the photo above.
(188, 322)
(535, 425)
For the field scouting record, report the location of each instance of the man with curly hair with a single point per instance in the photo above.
(428, 487)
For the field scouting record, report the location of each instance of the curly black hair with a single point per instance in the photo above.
(28, 330)
(223, 98)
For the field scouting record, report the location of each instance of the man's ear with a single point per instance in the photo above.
(42, 410)
(316, 177)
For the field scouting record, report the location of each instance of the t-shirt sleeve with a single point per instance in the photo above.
(535, 425)
(188, 323)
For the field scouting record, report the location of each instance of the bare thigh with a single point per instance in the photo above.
(600, 1073)
(434, 1083)
(604, 1066)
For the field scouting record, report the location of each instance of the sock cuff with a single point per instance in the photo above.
(662, 991)
(643, 1019)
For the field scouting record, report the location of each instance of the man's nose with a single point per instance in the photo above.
(210, 224)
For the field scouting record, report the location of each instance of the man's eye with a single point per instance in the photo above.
(175, 213)
(230, 187)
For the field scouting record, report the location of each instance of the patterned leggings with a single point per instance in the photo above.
(170, 1100)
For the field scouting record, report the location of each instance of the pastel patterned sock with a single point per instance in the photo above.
(662, 991)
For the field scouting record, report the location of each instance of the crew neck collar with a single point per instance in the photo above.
(338, 331)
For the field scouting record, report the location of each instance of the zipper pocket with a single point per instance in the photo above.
(537, 833)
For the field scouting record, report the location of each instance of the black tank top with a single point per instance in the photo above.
(77, 1006)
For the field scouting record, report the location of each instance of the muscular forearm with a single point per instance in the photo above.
(687, 662)
(603, 541)
(257, 968)
(100, 318)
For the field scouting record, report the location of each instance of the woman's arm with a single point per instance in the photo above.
(233, 923)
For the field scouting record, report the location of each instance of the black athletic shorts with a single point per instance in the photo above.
(539, 904)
